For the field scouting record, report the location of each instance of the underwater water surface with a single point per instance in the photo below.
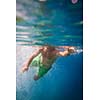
(39, 23)
(54, 22)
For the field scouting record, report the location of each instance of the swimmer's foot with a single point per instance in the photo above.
(36, 77)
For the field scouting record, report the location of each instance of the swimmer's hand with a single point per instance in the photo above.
(24, 68)
(71, 49)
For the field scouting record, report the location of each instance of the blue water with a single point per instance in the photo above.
(55, 22)
(62, 82)
(40, 23)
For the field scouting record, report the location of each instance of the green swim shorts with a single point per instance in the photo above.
(37, 63)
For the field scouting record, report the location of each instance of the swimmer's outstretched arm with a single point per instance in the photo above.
(64, 53)
(64, 47)
(68, 50)
(29, 60)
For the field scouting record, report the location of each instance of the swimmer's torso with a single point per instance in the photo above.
(48, 57)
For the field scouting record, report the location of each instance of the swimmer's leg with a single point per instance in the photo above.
(42, 71)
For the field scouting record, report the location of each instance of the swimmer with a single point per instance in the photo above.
(44, 57)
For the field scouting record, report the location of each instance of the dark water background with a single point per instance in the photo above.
(55, 22)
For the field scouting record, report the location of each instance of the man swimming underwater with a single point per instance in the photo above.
(44, 57)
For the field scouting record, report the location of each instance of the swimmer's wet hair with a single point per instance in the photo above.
(51, 46)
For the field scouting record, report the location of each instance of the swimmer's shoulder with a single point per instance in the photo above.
(56, 52)
(41, 49)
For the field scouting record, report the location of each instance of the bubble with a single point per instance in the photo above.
(74, 1)
(79, 50)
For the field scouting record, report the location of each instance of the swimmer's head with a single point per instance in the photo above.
(49, 47)
(71, 49)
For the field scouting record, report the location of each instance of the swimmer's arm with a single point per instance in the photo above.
(64, 47)
(64, 53)
(32, 56)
